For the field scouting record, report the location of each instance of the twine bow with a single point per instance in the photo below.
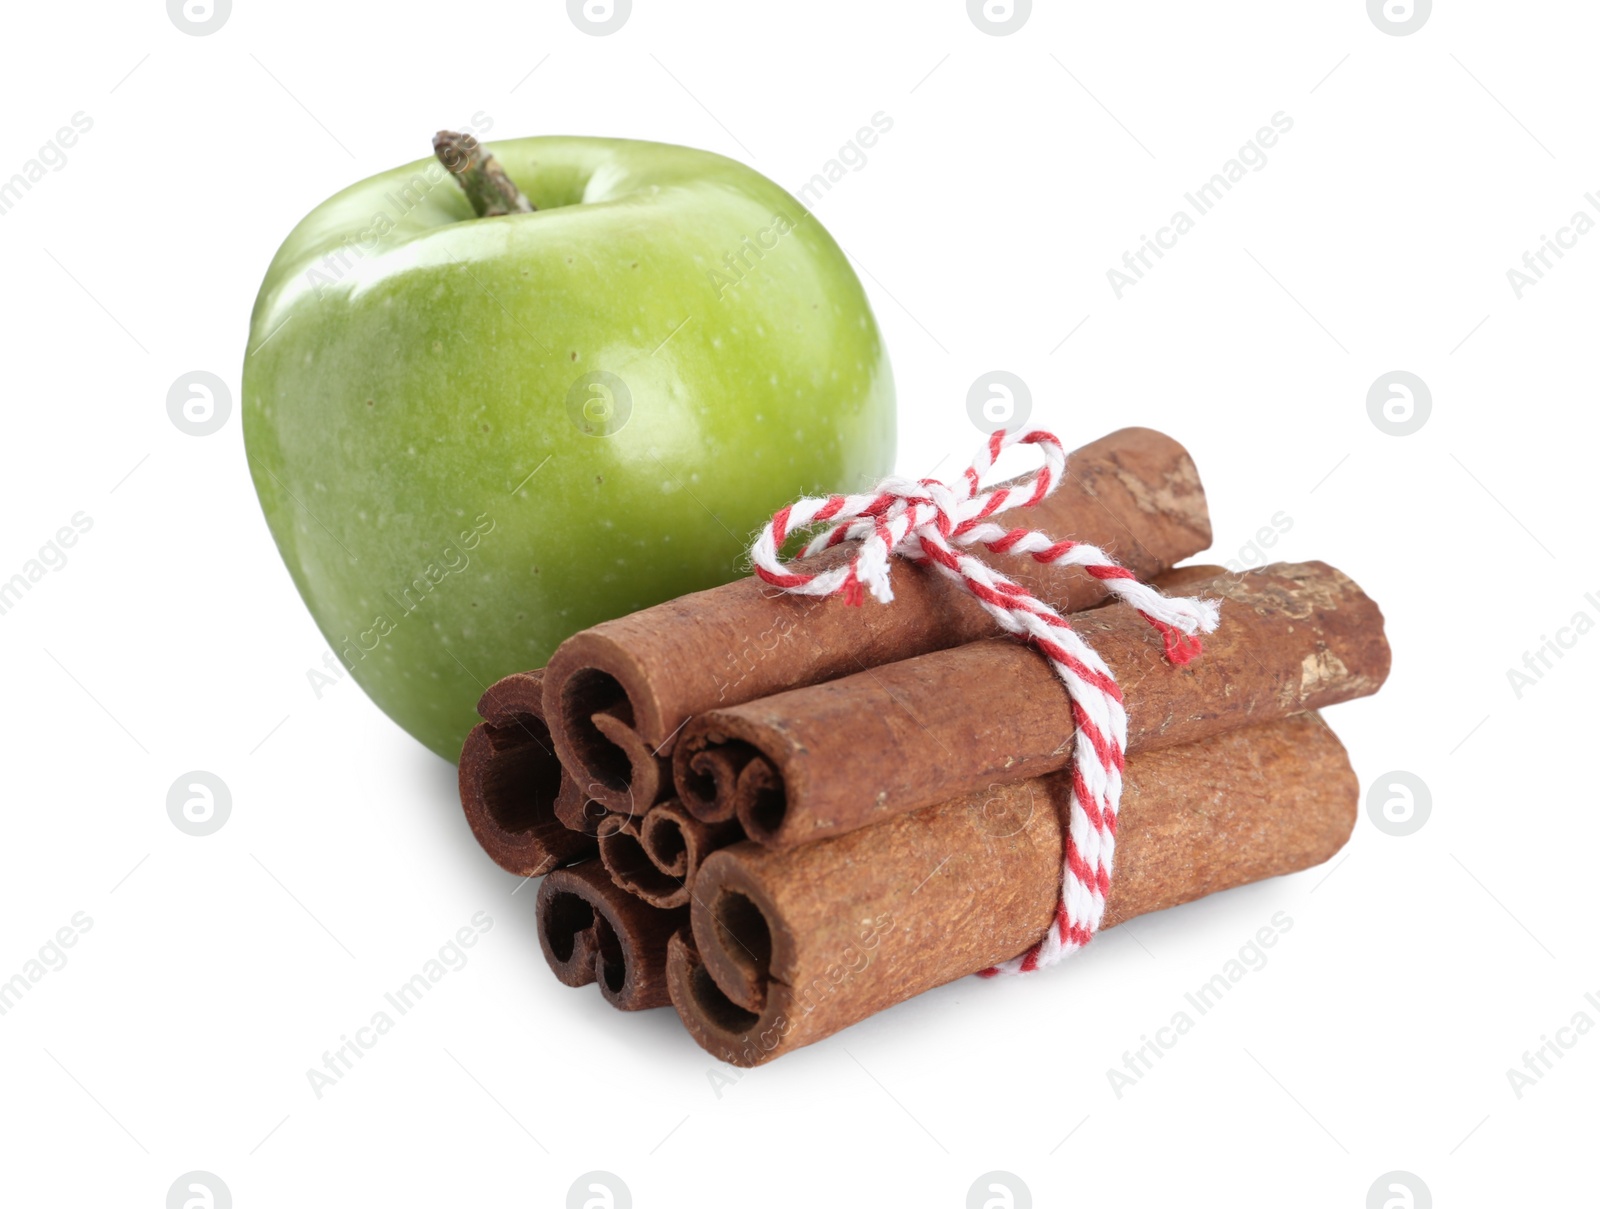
(928, 521)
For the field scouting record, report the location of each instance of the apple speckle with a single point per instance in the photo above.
(574, 355)
(438, 346)
(370, 403)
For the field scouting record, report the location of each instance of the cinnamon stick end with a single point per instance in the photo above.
(509, 780)
(591, 930)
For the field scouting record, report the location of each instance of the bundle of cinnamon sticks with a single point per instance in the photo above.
(784, 814)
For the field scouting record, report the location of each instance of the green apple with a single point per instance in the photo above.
(473, 436)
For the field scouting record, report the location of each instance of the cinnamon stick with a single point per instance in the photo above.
(833, 757)
(657, 857)
(617, 694)
(591, 930)
(510, 781)
(786, 948)
(508, 765)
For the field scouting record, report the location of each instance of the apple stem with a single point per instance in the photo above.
(480, 176)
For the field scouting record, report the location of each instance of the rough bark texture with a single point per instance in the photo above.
(510, 781)
(786, 948)
(1135, 493)
(849, 753)
(593, 931)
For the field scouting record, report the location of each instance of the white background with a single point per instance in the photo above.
(1019, 169)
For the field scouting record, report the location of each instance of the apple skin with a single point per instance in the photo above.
(448, 515)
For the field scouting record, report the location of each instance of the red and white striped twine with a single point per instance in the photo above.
(930, 522)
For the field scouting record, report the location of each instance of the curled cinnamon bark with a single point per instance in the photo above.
(786, 948)
(837, 756)
(710, 778)
(591, 930)
(510, 782)
(657, 857)
(1135, 493)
